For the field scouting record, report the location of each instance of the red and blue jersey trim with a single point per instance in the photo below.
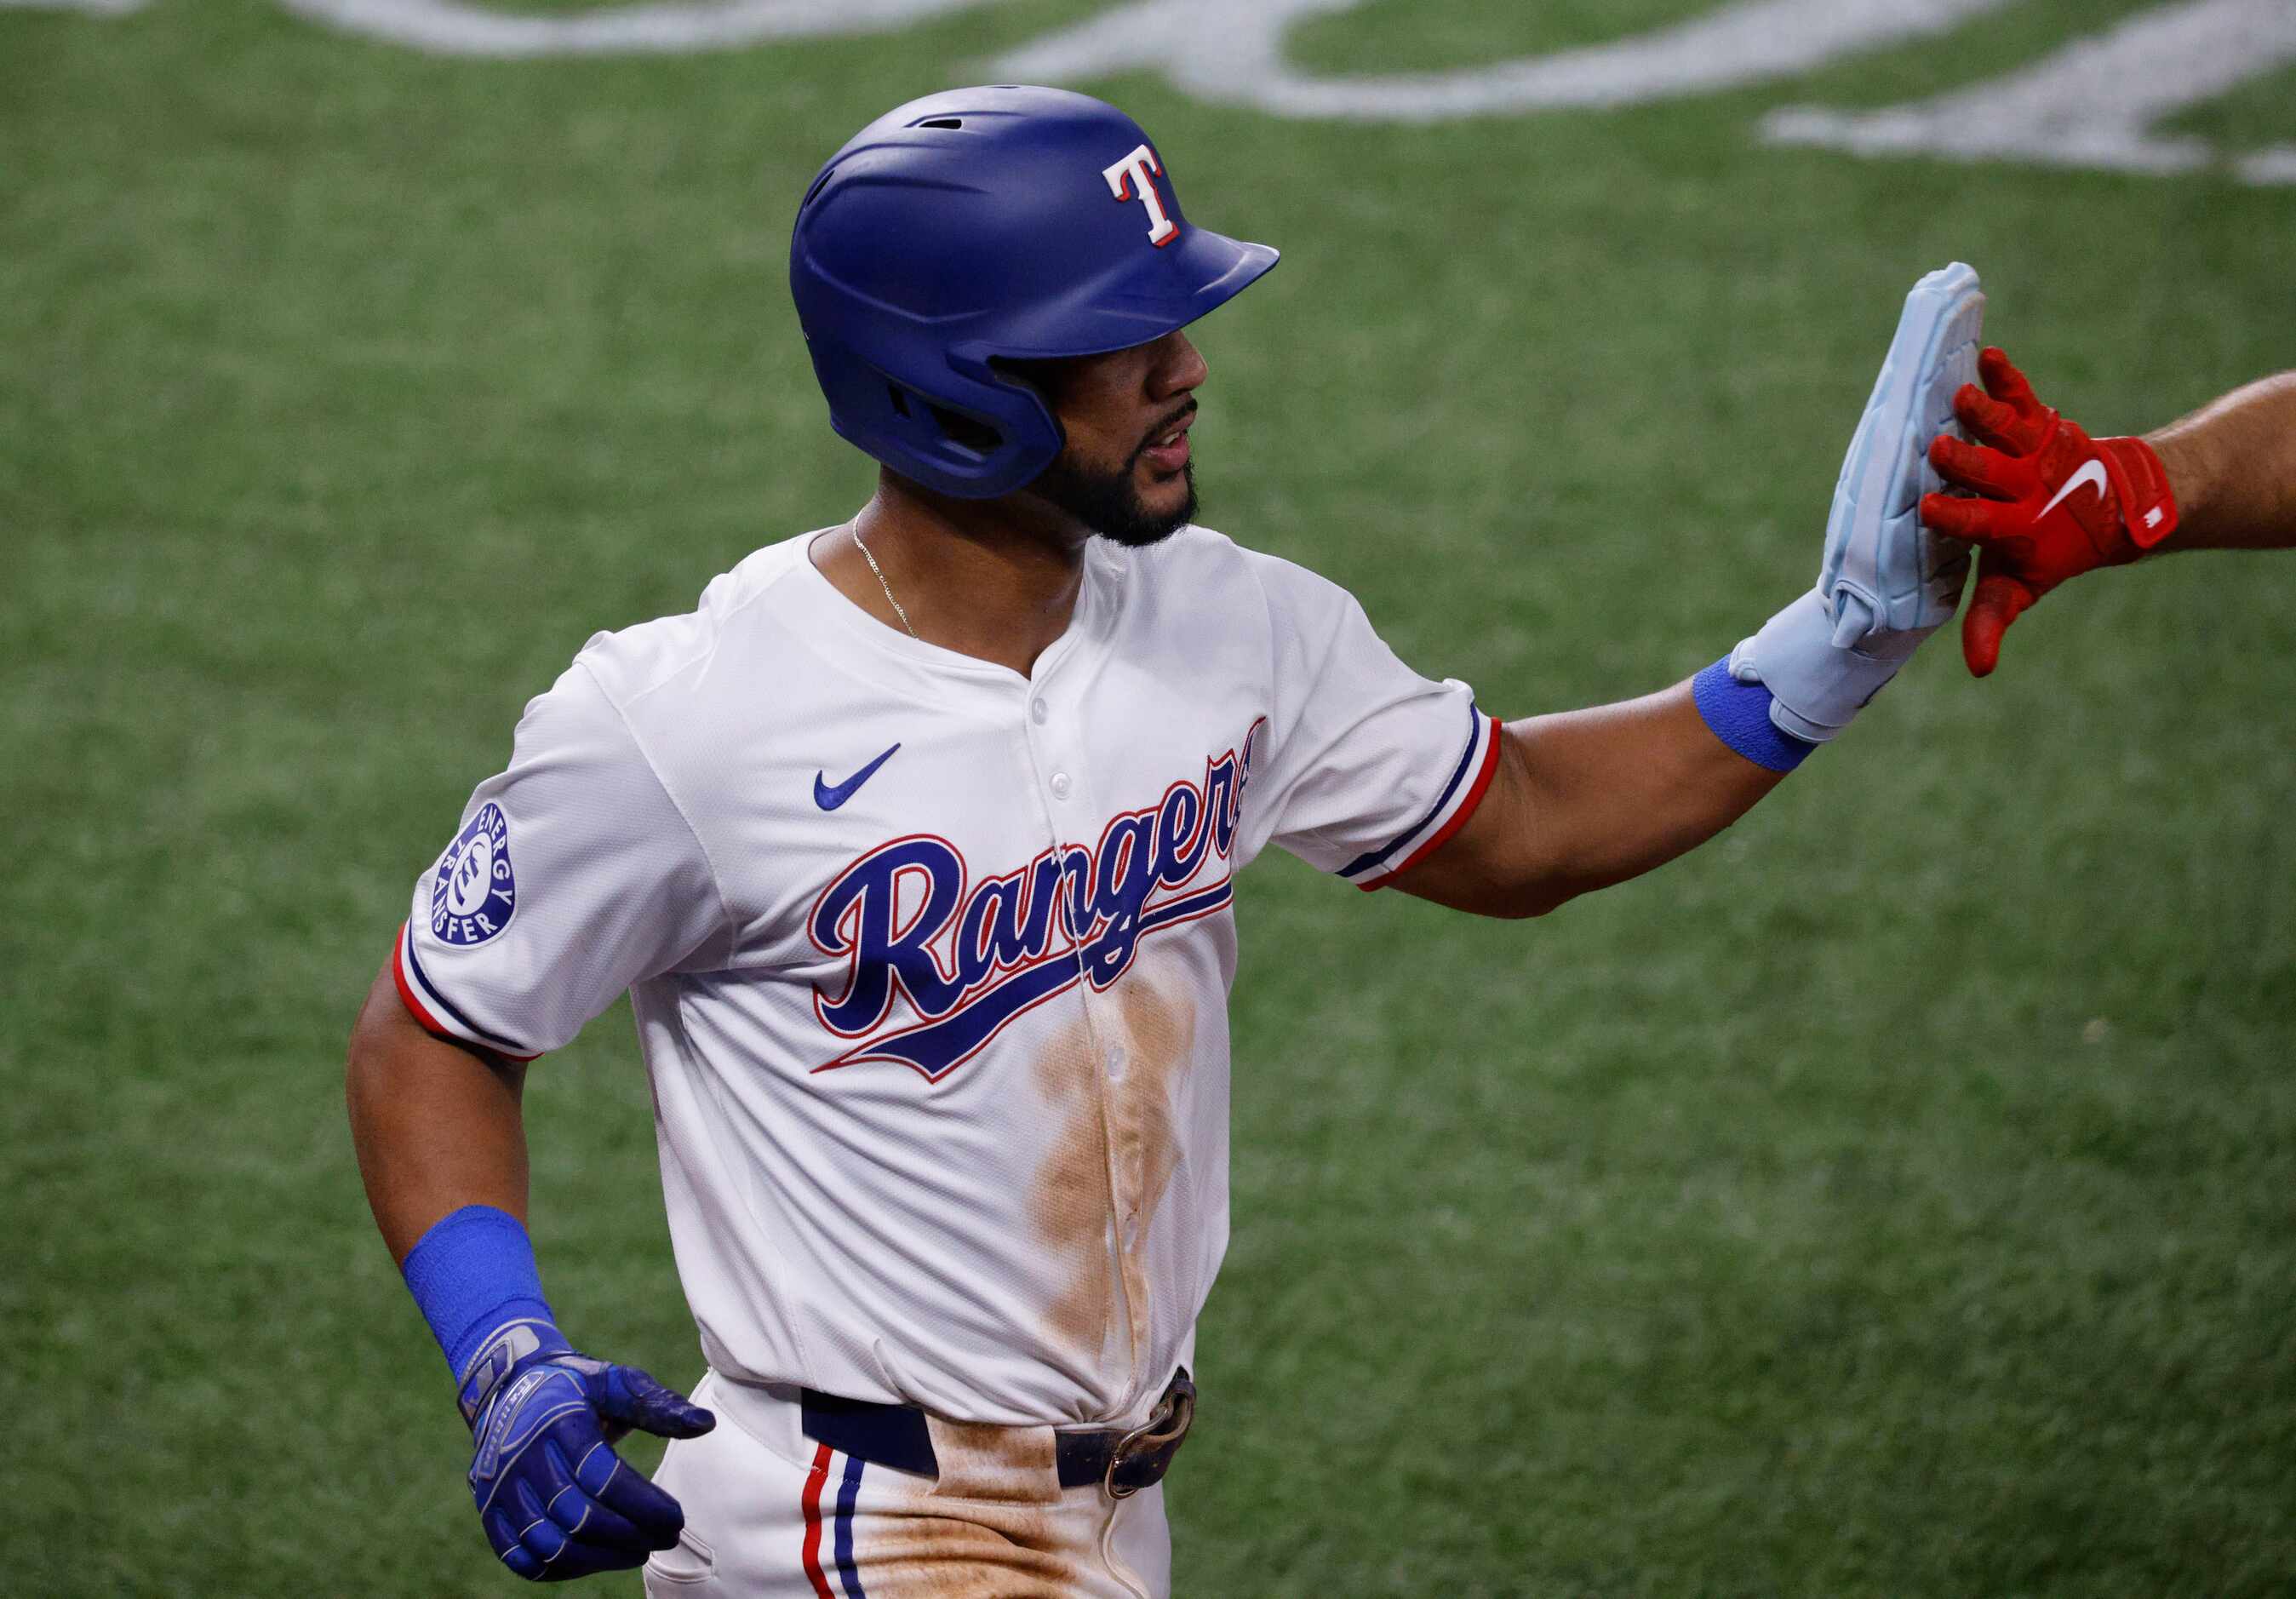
(1471, 779)
(434, 1011)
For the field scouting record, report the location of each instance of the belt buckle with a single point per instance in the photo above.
(1156, 1440)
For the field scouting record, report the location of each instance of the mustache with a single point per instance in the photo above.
(1162, 428)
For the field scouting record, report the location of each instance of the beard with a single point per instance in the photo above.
(1109, 505)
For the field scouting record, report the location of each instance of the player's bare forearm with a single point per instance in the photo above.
(2233, 466)
(1586, 798)
(436, 1127)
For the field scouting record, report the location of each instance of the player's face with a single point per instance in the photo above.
(1126, 471)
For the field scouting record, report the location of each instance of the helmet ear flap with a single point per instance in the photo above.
(961, 431)
(1029, 435)
(983, 435)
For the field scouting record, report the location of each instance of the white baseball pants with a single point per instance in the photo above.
(772, 1515)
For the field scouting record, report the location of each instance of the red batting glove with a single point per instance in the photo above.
(2057, 503)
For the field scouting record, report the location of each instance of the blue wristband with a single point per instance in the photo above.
(470, 1273)
(1739, 713)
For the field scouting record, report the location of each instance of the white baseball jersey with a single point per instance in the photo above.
(930, 960)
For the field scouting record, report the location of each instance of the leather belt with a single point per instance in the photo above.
(1122, 1461)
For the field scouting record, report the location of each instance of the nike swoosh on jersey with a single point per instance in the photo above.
(2092, 472)
(829, 797)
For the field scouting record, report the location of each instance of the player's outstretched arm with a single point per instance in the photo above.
(1586, 799)
(1592, 798)
(2053, 503)
(442, 1150)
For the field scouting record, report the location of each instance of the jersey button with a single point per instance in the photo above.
(1116, 1065)
(1038, 711)
(1061, 786)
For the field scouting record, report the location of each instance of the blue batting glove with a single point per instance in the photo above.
(556, 1501)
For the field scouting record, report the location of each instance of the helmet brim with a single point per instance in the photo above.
(1159, 291)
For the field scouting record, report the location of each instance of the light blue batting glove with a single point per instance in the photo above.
(1887, 582)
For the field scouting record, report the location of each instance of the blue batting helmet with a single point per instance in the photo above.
(1011, 222)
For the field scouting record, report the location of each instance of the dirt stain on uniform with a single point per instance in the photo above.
(1121, 1123)
(991, 1526)
(995, 1523)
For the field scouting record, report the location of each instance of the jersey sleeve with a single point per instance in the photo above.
(1370, 767)
(574, 875)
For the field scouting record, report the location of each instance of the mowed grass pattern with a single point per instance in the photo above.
(1897, 1197)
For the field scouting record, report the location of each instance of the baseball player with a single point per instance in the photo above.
(2051, 503)
(913, 847)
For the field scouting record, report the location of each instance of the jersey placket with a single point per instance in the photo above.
(1073, 813)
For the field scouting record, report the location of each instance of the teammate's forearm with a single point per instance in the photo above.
(436, 1128)
(2232, 466)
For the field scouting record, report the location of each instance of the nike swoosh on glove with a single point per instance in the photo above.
(556, 1501)
(2055, 503)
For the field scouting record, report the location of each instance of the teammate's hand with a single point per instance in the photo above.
(556, 1501)
(2057, 503)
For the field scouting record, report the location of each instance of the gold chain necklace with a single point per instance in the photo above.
(855, 530)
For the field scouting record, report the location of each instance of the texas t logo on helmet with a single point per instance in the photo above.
(1132, 173)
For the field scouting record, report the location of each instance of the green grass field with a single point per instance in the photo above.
(1896, 1198)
